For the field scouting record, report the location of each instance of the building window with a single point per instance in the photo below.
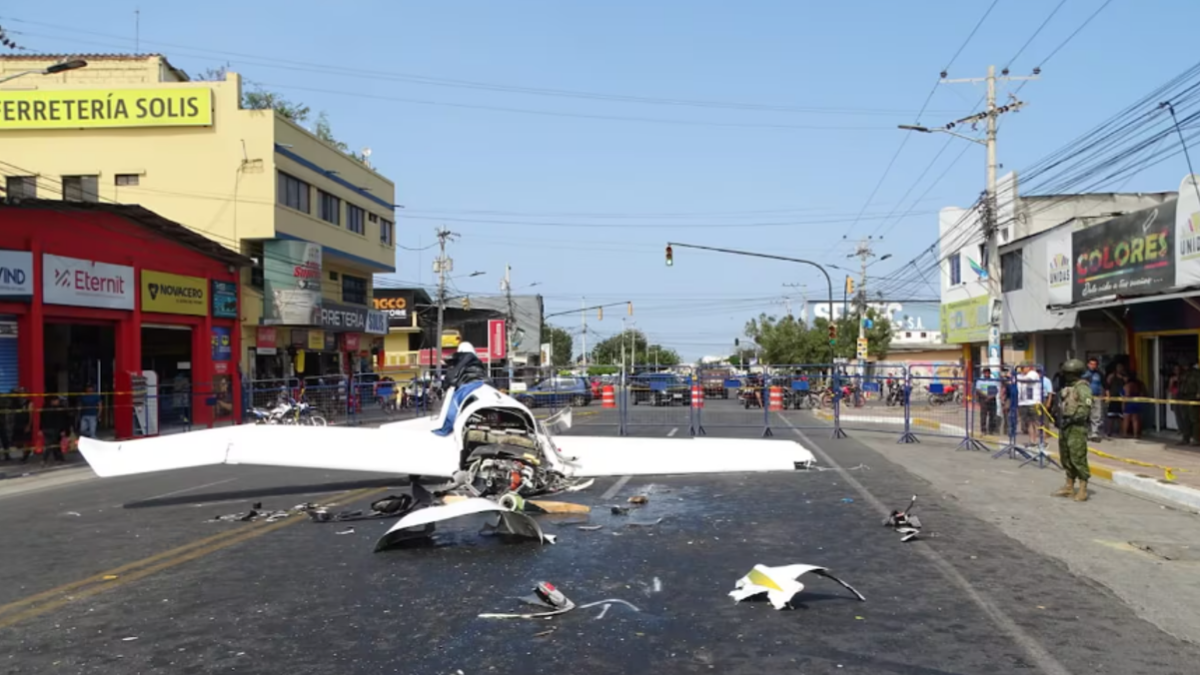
(333, 276)
(955, 269)
(21, 187)
(330, 206)
(127, 180)
(1012, 268)
(294, 193)
(387, 232)
(81, 188)
(372, 218)
(355, 219)
(354, 290)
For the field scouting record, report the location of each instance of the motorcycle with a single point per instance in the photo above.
(289, 412)
(895, 393)
(950, 393)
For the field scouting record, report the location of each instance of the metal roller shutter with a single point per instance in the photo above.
(9, 361)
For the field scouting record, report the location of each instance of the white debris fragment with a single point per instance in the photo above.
(781, 584)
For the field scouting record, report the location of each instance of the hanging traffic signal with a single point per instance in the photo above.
(670, 256)
(631, 309)
(849, 285)
(832, 334)
(599, 313)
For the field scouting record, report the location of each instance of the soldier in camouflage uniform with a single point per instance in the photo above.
(1075, 407)
(1189, 415)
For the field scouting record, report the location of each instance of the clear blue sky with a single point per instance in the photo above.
(577, 203)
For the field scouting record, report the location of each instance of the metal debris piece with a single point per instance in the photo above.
(903, 522)
(546, 595)
(638, 499)
(348, 530)
(781, 584)
(631, 524)
(620, 510)
(590, 528)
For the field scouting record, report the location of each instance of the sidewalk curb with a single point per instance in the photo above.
(1187, 497)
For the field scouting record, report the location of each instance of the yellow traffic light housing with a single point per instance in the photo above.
(849, 285)
(599, 313)
(670, 256)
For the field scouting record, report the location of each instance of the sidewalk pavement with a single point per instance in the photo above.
(1144, 552)
(1155, 466)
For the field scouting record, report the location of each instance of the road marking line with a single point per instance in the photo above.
(672, 432)
(616, 487)
(1033, 649)
(171, 558)
(185, 490)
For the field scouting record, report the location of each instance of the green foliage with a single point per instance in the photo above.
(609, 351)
(788, 340)
(593, 371)
(562, 346)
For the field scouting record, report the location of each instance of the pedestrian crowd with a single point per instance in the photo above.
(61, 420)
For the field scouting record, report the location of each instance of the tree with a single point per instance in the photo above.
(562, 345)
(324, 131)
(788, 341)
(610, 350)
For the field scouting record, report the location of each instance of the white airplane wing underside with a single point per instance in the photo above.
(404, 451)
(625, 456)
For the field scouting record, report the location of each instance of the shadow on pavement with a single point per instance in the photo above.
(340, 486)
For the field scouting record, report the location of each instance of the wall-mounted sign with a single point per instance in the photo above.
(316, 340)
(264, 341)
(222, 344)
(966, 321)
(291, 283)
(101, 108)
(350, 341)
(397, 304)
(224, 300)
(497, 339)
(1131, 254)
(174, 294)
(86, 283)
(16, 275)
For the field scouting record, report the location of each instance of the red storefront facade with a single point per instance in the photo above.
(121, 271)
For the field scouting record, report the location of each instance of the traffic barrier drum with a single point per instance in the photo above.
(776, 398)
(697, 396)
(609, 399)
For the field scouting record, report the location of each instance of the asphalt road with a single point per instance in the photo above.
(138, 582)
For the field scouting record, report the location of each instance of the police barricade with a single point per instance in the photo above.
(390, 396)
(654, 402)
(318, 401)
(1024, 415)
(558, 390)
(873, 399)
(938, 405)
(765, 396)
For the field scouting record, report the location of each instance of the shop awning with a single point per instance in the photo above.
(1121, 302)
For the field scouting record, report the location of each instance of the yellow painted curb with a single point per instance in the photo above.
(928, 424)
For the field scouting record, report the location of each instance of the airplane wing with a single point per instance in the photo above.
(624, 456)
(404, 451)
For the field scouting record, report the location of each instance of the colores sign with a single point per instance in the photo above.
(16, 275)
(86, 283)
(174, 294)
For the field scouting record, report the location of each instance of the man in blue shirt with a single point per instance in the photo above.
(89, 412)
(1095, 378)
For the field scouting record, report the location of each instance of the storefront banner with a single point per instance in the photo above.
(1187, 235)
(1058, 267)
(341, 318)
(350, 341)
(86, 283)
(264, 341)
(106, 108)
(291, 283)
(1128, 255)
(966, 321)
(16, 275)
(222, 344)
(396, 304)
(316, 340)
(174, 294)
(224, 300)
(497, 339)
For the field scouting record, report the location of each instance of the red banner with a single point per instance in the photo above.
(264, 340)
(497, 339)
(350, 341)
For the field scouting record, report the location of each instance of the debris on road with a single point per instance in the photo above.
(651, 524)
(781, 584)
(903, 522)
(620, 510)
(348, 530)
(548, 597)
(590, 528)
(639, 499)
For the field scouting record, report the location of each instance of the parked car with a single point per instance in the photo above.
(660, 389)
(559, 391)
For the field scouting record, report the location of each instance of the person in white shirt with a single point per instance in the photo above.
(1030, 387)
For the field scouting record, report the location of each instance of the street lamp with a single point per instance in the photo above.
(52, 69)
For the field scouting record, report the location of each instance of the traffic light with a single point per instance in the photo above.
(631, 309)
(736, 342)
(849, 285)
(599, 313)
(466, 304)
(832, 334)
(670, 256)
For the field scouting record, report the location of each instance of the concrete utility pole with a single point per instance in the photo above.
(990, 227)
(804, 300)
(506, 286)
(441, 266)
(583, 336)
(864, 253)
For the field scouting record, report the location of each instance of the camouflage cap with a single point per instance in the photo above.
(1074, 366)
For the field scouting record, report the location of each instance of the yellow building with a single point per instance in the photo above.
(136, 130)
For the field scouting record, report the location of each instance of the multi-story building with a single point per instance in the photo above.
(1030, 333)
(134, 129)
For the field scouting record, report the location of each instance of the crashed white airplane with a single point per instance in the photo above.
(489, 447)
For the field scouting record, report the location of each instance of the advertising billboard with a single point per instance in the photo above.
(106, 108)
(291, 283)
(1133, 254)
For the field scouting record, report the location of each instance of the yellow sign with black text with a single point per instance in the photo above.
(106, 108)
(316, 340)
(174, 294)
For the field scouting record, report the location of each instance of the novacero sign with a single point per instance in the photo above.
(174, 294)
(98, 108)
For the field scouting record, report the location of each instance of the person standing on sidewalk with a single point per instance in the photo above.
(1075, 411)
(1189, 415)
(89, 412)
(987, 388)
(1095, 379)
